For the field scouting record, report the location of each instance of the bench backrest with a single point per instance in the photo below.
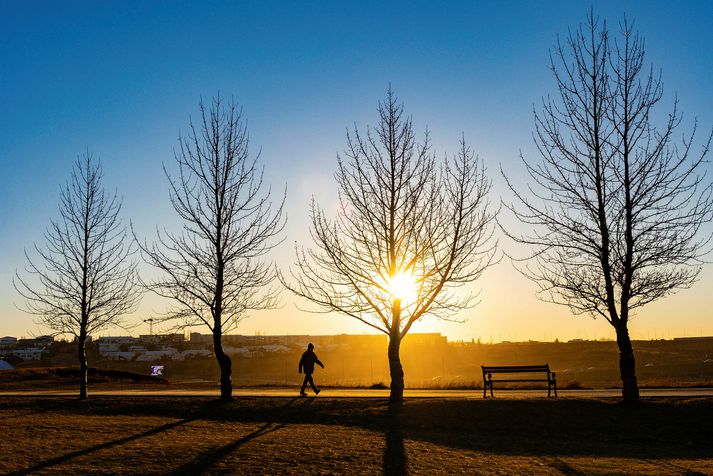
(514, 369)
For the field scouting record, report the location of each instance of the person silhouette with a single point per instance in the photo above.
(309, 358)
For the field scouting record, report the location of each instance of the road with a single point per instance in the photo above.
(368, 393)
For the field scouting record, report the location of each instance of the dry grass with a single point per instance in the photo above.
(67, 378)
(672, 382)
(165, 435)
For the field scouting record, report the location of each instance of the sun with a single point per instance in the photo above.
(402, 286)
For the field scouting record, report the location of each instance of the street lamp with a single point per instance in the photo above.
(150, 320)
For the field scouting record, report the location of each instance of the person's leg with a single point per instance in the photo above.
(311, 382)
(304, 383)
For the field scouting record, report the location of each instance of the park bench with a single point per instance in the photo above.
(517, 371)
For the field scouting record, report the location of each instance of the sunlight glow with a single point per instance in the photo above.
(402, 286)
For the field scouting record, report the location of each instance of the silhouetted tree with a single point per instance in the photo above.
(401, 218)
(616, 206)
(82, 280)
(213, 270)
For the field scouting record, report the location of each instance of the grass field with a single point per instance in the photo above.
(588, 364)
(164, 435)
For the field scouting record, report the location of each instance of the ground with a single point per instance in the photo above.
(200, 435)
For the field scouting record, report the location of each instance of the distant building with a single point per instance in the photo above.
(41, 341)
(169, 339)
(242, 351)
(29, 353)
(196, 353)
(198, 338)
(326, 342)
(156, 355)
(118, 355)
(273, 348)
(106, 347)
(165, 347)
(117, 340)
(425, 339)
(7, 341)
(45, 340)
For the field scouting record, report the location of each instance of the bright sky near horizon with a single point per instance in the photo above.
(121, 79)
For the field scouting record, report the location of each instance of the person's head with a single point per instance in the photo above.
(310, 346)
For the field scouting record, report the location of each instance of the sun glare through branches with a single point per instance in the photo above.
(402, 286)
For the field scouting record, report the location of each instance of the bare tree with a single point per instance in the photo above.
(407, 234)
(616, 207)
(213, 270)
(82, 280)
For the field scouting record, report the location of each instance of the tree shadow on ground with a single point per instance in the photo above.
(24, 407)
(210, 458)
(564, 468)
(48, 464)
(395, 461)
(653, 429)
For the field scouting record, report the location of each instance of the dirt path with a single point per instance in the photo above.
(175, 391)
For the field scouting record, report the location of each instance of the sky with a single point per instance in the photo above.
(122, 79)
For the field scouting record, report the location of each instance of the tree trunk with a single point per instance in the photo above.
(396, 370)
(226, 369)
(627, 364)
(81, 353)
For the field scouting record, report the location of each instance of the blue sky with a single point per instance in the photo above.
(122, 78)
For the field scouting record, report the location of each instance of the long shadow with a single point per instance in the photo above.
(657, 429)
(208, 459)
(564, 468)
(395, 460)
(34, 408)
(542, 428)
(75, 454)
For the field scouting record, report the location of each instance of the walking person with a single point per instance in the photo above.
(309, 358)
